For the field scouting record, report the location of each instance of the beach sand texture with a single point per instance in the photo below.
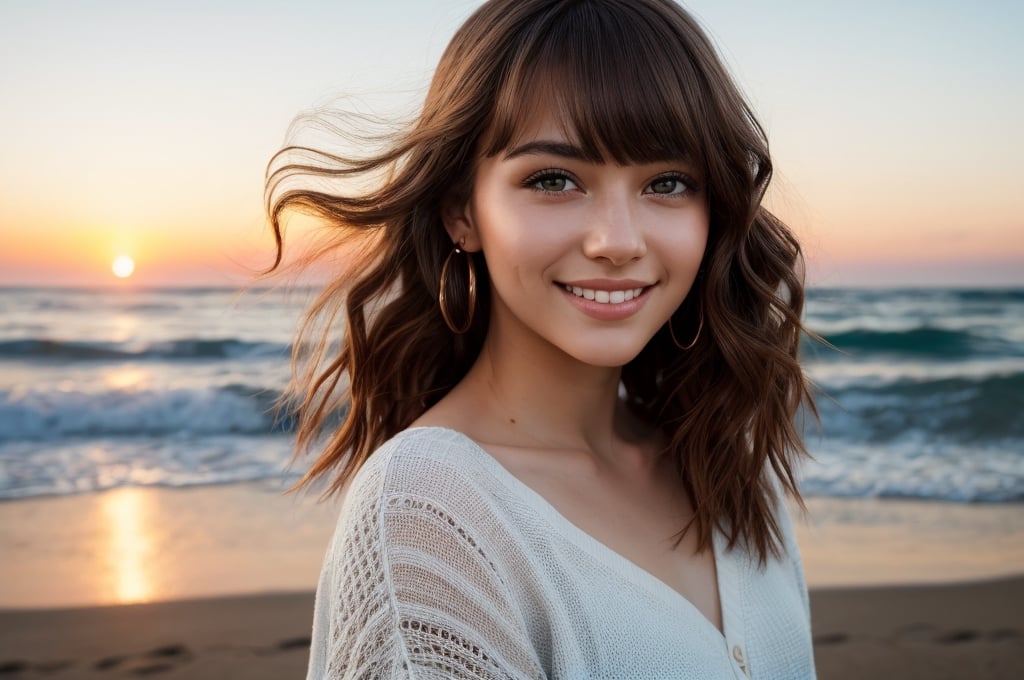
(199, 553)
(964, 631)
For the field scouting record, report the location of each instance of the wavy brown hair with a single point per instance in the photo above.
(635, 81)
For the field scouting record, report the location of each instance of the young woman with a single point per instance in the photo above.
(569, 366)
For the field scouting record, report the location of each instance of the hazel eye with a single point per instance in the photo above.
(667, 186)
(551, 183)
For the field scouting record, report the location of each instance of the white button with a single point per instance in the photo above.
(737, 653)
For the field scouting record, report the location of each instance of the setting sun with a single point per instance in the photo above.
(123, 266)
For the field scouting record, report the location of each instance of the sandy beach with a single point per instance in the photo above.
(968, 631)
(217, 582)
(964, 631)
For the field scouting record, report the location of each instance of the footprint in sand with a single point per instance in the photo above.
(173, 651)
(45, 667)
(287, 645)
(109, 662)
(159, 660)
(956, 637)
(294, 643)
(831, 638)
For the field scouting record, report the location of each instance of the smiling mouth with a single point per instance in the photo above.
(606, 297)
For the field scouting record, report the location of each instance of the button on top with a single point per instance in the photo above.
(737, 653)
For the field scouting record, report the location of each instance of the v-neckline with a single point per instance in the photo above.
(625, 566)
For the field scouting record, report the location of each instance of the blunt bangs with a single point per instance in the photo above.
(619, 80)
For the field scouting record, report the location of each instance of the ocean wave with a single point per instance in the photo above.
(924, 341)
(989, 295)
(951, 409)
(28, 415)
(838, 469)
(831, 377)
(919, 470)
(33, 469)
(185, 348)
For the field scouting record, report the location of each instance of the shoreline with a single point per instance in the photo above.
(962, 630)
(132, 545)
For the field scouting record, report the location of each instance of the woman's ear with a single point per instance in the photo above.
(460, 224)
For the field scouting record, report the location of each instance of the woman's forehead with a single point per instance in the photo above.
(544, 121)
(548, 122)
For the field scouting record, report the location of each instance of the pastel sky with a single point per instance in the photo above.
(144, 128)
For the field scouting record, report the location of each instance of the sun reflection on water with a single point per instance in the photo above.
(128, 377)
(126, 512)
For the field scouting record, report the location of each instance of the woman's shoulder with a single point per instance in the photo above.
(430, 462)
(426, 446)
(425, 482)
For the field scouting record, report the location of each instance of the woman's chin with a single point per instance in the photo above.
(607, 356)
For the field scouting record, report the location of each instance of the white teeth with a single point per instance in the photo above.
(613, 297)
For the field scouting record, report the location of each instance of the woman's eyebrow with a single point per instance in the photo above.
(563, 149)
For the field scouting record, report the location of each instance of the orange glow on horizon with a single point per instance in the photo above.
(233, 254)
(81, 255)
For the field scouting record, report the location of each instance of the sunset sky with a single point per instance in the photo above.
(144, 129)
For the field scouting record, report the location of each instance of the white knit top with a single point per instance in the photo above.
(445, 565)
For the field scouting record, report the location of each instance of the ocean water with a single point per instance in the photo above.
(920, 394)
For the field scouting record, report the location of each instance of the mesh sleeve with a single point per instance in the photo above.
(415, 593)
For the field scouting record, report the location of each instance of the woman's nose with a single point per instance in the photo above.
(613, 230)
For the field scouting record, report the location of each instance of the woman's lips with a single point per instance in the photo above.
(605, 296)
(606, 300)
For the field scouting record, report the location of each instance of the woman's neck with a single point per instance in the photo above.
(524, 392)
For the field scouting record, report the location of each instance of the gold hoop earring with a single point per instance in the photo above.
(700, 327)
(443, 297)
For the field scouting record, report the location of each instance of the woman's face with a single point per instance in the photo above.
(590, 258)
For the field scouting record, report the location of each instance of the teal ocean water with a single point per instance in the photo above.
(921, 393)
